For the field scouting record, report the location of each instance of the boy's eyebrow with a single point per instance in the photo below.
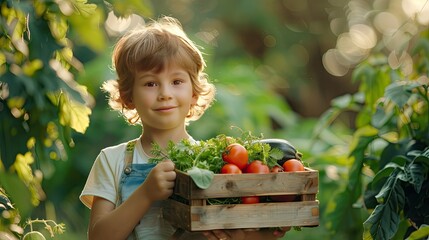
(179, 73)
(150, 74)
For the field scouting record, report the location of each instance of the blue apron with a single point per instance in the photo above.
(132, 177)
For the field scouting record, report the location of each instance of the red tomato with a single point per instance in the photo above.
(276, 169)
(236, 154)
(293, 165)
(250, 200)
(257, 167)
(230, 168)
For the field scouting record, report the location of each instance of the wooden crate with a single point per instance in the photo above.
(188, 207)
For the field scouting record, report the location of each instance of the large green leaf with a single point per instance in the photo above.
(383, 222)
(202, 178)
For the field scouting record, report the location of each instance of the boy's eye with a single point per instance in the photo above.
(177, 82)
(150, 84)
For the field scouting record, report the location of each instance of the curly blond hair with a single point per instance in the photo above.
(150, 48)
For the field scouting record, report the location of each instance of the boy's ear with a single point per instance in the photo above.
(194, 99)
(131, 105)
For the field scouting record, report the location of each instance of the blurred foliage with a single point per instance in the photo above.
(387, 152)
(41, 103)
(278, 70)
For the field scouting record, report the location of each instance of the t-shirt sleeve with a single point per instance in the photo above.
(101, 180)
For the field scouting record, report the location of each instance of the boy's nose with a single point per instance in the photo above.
(164, 93)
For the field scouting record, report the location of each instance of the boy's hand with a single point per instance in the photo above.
(225, 234)
(279, 233)
(242, 234)
(159, 183)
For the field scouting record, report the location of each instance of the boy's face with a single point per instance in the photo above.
(163, 99)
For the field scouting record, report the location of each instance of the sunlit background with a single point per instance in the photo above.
(278, 65)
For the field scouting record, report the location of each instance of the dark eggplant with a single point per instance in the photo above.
(289, 151)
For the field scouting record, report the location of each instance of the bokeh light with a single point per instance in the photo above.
(383, 26)
(116, 26)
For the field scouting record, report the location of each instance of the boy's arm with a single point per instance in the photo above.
(108, 222)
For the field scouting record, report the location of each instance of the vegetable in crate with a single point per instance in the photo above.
(212, 154)
(293, 165)
(236, 154)
(250, 200)
(257, 167)
(230, 168)
(202, 159)
(289, 151)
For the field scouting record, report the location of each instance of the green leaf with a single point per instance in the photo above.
(399, 92)
(81, 7)
(363, 72)
(202, 178)
(423, 159)
(395, 152)
(19, 194)
(74, 114)
(343, 102)
(417, 175)
(382, 174)
(384, 220)
(383, 223)
(123, 8)
(373, 81)
(420, 233)
(381, 117)
(88, 30)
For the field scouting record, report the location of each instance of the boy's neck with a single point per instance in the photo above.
(162, 138)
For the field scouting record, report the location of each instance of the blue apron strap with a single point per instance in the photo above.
(129, 151)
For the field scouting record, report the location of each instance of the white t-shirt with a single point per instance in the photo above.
(104, 178)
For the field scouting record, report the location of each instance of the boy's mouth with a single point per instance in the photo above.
(167, 108)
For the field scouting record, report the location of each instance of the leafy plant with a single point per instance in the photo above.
(204, 158)
(404, 192)
(389, 149)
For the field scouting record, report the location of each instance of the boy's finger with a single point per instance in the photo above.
(168, 164)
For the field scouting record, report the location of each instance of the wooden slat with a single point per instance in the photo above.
(233, 185)
(178, 214)
(259, 215)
